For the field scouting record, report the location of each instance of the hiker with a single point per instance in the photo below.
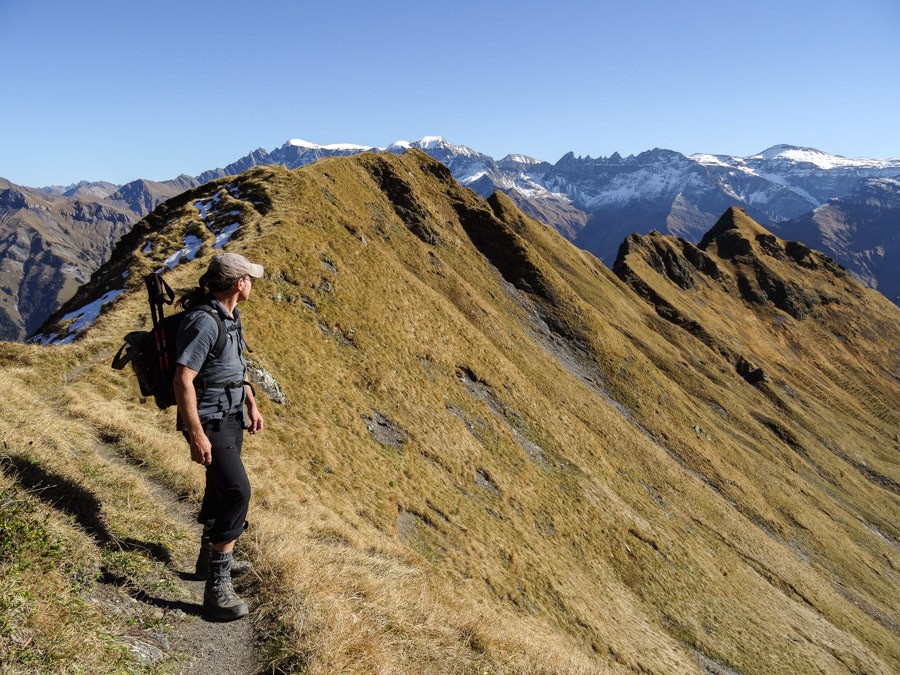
(215, 404)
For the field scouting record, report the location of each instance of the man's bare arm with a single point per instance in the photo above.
(186, 397)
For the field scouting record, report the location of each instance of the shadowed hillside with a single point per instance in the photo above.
(860, 231)
(52, 241)
(494, 454)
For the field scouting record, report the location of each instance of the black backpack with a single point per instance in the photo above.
(152, 353)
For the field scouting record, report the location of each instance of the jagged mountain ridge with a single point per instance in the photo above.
(597, 202)
(49, 245)
(594, 202)
(52, 240)
(667, 473)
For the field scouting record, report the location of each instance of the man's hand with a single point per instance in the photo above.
(183, 383)
(201, 448)
(255, 422)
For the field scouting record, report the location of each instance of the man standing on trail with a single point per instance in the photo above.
(212, 390)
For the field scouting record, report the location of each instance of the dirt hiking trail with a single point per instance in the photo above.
(170, 629)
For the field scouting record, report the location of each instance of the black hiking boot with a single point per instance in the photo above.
(220, 602)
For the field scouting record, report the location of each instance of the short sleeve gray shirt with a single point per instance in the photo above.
(218, 381)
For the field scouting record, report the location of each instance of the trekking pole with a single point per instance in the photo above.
(159, 293)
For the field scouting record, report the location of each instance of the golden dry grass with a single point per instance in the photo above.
(582, 486)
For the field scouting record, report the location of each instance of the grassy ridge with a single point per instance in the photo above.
(495, 455)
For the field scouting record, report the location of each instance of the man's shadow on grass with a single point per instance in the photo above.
(73, 499)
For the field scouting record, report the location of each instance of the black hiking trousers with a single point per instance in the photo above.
(227, 494)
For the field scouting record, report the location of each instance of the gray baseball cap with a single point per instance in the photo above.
(233, 266)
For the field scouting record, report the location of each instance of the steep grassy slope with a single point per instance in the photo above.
(496, 455)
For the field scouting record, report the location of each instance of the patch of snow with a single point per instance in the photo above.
(191, 246)
(886, 183)
(521, 159)
(300, 143)
(646, 183)
(41, 339)
(80, 318)
(188, 252)
(471, 179)
(399, 145)
(224, 235)
(780, 180)
(203, 207)
(711, 160)
(209, 215)
(429, 142)
(440, 143)
(349, 147)
(147, 247)
(172, 260)
(819, 159)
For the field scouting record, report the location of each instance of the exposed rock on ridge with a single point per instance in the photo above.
(742, 260)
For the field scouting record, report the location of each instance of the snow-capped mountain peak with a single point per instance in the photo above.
(799, 155)
(430, 142)
(784, 151)
(300, 143)
(520, 159)
(821, 160)
(439, 144)
(683, 194)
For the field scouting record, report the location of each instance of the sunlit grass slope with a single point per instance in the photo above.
(495, 455)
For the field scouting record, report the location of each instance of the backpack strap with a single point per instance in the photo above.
(222, 331)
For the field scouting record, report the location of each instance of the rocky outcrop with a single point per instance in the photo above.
(744, 260)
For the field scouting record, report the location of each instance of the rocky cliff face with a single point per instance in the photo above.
(745, 262)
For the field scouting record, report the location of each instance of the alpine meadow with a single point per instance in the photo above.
(485, 451)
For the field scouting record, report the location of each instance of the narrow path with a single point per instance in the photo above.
(190, 642)
(170, 631)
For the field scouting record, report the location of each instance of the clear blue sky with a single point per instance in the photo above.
(101, 90)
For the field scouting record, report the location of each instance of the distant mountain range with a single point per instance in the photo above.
(597, 203)
(53, 238)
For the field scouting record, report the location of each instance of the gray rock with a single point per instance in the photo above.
(265, 381)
